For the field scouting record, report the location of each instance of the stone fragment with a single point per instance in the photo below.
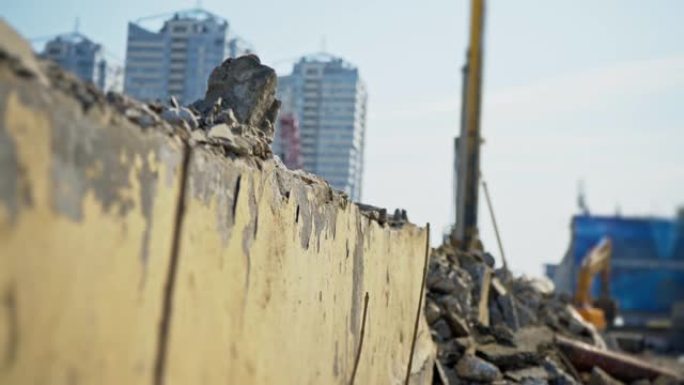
(508, 311)
(432, 311)
(441, 327)
(509, 358)
(488, 259)
(600, 377)
(473, 368)
(198, 136)
(186, 115)
(443, 285)
(503, 334)
(448, 352)
(458, 325)
(226, 116)
(221, 131)
(483, 297)
(247, 87)
(498, 287)
(532, 372)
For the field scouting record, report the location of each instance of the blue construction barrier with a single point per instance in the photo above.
(647, 268)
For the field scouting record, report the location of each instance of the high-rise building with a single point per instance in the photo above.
(328, 99)
(76, 53)
(178, 59)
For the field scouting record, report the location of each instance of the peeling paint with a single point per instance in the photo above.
(9, 164)
(16, 191)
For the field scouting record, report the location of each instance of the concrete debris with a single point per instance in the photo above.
(398, 219)
(236, 115)
(247, 88)
(474, 368)
(492, 327)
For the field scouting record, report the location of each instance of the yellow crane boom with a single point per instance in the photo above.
(468, 144)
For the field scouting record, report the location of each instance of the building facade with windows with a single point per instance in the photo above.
(76, 53)
(328, 98)
(178, 59)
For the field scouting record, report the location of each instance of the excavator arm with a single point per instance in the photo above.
(596, 261)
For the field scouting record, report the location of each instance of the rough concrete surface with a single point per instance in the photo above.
(131, 253)
(86, 221)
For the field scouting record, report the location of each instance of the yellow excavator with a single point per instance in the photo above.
(601, 312)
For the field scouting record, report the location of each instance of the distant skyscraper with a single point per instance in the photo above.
(328, 98)
(76, 53)
(177, 60)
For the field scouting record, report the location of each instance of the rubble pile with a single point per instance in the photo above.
(490, 327)
(239, 109)
(236, 115)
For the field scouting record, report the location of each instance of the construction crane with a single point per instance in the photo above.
(596, 261)
(467, 145)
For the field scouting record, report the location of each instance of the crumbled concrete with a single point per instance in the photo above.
(508, 322)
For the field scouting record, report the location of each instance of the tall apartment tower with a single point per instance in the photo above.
(76, 53)
(178, 59)
(328, 99)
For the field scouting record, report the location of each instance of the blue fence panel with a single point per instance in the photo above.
(647, 272)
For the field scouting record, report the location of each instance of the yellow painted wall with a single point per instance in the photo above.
(270, 272)
(87, 213)
(270, 296)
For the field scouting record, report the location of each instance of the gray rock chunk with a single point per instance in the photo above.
(458, 325)
(442, 330)
(432, 311)
(474, 368)
(247, 87)
(509, 358)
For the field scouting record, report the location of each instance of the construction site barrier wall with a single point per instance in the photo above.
(128, 256)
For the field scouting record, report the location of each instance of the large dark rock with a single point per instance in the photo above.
(248, 88)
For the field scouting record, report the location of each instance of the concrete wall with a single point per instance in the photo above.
(130, 257)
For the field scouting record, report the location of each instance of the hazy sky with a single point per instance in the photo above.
(573, 89)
